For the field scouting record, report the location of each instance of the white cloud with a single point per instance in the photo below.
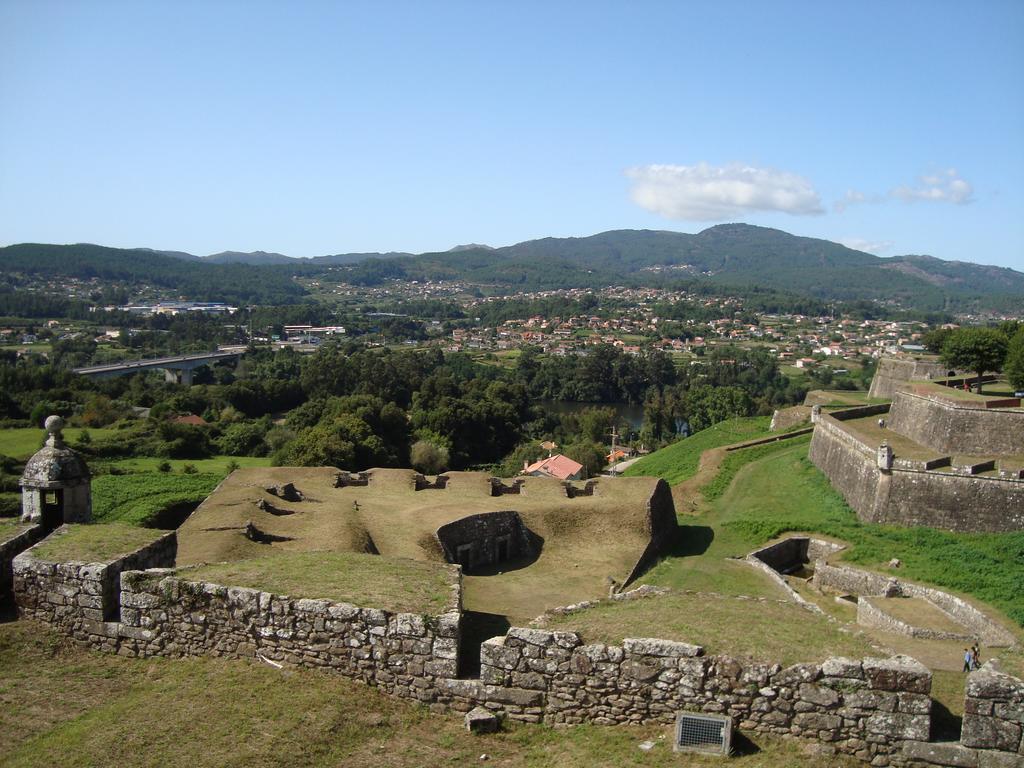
(708, 193)
(944, 187)
(868, 246)
(854, 197)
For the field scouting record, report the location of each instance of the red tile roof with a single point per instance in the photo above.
(558, 466)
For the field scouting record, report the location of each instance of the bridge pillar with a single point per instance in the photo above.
(178, 376)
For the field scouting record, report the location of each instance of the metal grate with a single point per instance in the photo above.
(703, 733)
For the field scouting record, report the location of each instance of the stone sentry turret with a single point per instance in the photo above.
(56, 484)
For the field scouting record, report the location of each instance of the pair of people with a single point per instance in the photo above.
(972, 658)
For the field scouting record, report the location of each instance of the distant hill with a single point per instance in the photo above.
(737, 257)
(470, 247)
(192, 278)
(255, 258)
(734, 256)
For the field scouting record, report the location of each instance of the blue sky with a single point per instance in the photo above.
(312, 128)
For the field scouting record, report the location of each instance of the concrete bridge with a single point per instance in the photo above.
(176, 369)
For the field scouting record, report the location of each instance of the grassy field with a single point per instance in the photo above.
(138, 499)
(216, 465)
(23, 442)
(95, 709)
(782, 491)
(769, 630)
(94, 543)
(679, 461)
(395, 584)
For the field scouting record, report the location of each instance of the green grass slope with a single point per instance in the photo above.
(679, 461)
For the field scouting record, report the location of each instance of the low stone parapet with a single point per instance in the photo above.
(77, 597)
(19, 539)
(994, 712)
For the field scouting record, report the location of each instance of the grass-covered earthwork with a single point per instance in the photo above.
(138, 499)
(395, 584)
(94, 543)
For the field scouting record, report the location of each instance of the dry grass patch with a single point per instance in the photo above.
(62, 704)
(394, 584)
(760, 630)
(95, 543)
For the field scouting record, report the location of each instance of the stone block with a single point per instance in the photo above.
(516, 696)
(952, 755)
(796, 674)
(990, 733)
(914, 703)
(842, 667)
(530, 636)
(895, 725)
(480, 720)
(818, 696)
(987, 759)
(816, 721)
(987, 683)
(900, 673)
(1012, 712)
(448, 625)
(642, 673)
(410, 625)
(647, 646)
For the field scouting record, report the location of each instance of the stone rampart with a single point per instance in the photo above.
(894, 372)
(870, 709)
(948, 427)
(854, 581)
(662, 526)
(79, 598)
(22, 539)
(994, 713)
(165, 614)
(910, 494)
(870, 614)
(863, 708)
(848, 463)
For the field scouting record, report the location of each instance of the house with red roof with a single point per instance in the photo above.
(559, 466)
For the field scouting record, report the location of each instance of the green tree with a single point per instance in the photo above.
(1014, 365)
(975, 349)
(428, 457)
(935, 339)
(590, 455)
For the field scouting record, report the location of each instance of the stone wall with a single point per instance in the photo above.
(894, 372)
(662, 526)
(870, 709)
(854, 581)
(960, 428)
(486, 538)
(22, 539)
(848, 463)
(994, 712)
(165, 614)
(870, 614)
(863, 708)
(77, 597)
(912, 495)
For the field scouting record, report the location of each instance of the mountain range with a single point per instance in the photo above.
(736, 256)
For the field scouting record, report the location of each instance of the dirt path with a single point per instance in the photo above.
(686, 495)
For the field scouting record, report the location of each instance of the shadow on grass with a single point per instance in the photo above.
(742, 745)
(477, 626)
(945, 725)
(690, 541)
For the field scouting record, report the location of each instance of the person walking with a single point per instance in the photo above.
(968, 659)
(975, 657)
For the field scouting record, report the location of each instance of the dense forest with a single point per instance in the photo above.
(354, 407)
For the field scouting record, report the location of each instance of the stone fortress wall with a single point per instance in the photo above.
(875, 709)
(894, 372)
(960, 428)
(916, 492)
